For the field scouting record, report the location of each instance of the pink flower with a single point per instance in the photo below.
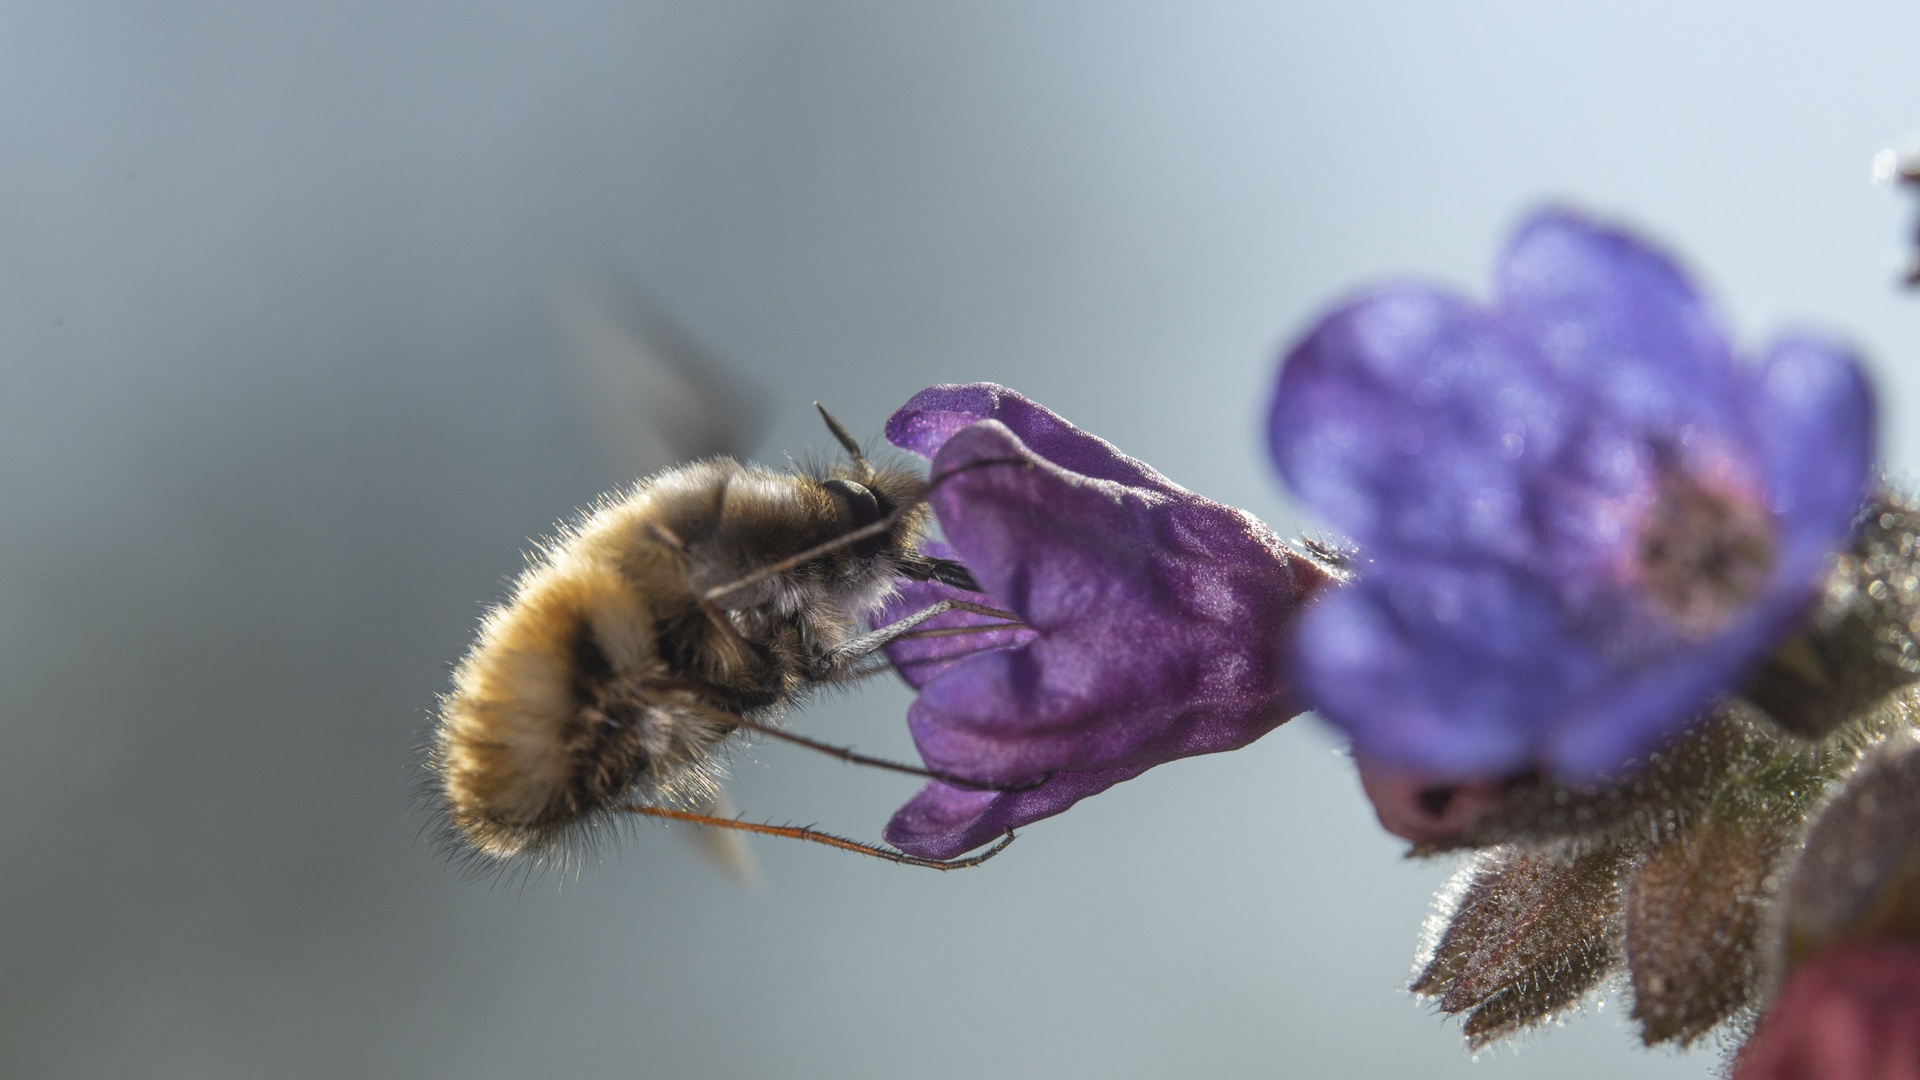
(1853, 1013)
(1423, 807)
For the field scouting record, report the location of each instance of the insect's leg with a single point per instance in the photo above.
(816, 836)
(730, 718)
(712, 610)
(848, 539)
(872, 642)
(954, 631)
(853, 758)
(967, 467)
(944, 571)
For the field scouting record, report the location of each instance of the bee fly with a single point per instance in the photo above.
(703, 601)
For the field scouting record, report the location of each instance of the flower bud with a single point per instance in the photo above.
(1851, 1014)
(1859, 874)
(1859, 646)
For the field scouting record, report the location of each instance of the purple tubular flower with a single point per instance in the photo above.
(1154, 619)
(1584, 519)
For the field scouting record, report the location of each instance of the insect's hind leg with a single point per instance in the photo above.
(795, 832)
(851, 757)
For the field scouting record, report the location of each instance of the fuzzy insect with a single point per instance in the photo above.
(704, 601)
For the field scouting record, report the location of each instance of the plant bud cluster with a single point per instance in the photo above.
(1782, 826)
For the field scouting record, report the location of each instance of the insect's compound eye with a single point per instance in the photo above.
(861, 508)
(860, 505)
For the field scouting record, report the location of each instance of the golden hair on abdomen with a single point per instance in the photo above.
(610, 675)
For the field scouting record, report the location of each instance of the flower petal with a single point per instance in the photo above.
(1443, 671)
(1618, 317)
(1406, 418)
(1150, 612)
(1813, 411)
(932, 416)
(942, 822)
(1157, 619)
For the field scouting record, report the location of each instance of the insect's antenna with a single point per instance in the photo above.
(848, 539)
(846, 440)
(852, 758)
(816, 836)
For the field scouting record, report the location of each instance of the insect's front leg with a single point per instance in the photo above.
(855, 649)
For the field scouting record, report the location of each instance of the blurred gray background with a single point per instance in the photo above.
(283, 400)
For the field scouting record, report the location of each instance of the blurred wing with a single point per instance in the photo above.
(652, 396)
(724, 848)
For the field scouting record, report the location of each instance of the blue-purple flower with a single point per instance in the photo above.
(1154, 620)
(1583, 518)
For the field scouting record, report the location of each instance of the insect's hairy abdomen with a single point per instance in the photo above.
(551, 717)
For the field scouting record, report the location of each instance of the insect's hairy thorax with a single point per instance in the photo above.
(731, 520)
